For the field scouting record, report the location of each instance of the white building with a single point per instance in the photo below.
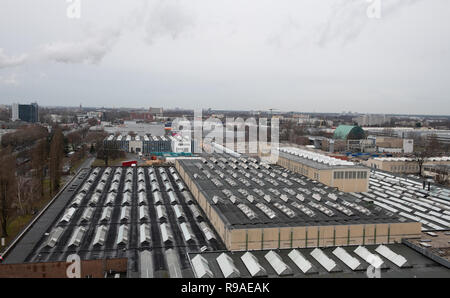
(371, 119)
(180, 144)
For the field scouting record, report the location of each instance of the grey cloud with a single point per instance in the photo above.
(10, 80)
(10, 61)
(348, 18)
(166, 18)
(91, 50)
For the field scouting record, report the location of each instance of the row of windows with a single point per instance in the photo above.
(350, 175)
(404, 168)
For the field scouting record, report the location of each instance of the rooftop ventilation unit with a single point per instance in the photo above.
(87, 214)
(285, 210)
(323, 260)
(247, 211)
(172, 197)
(54, 236)
(252, 264)
(187, 234)
(280, 267)
(106, 214)
(196, 212)
(161, 212)
(142, 198)
(187, 197)
(68, 215)
(227, 266)
(143, 213)
(386, 252)
(369, 257)
(77, 200)
(144, 235)
(100, 236)
(157, 199)
(269, 212)
(122, 238)
(77, 236)
(178, 212)
(126, 199)
(209, 234)
(166, 234)
(94, 199)
(201, 267)
(141, 187)
(301, 262)
(125, 213)
(128, 187)
(303, 209)
(346, 258)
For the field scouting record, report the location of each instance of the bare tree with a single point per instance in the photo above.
(420, 156)
(8, 188)
(39, 157)
(56, 158)
(434, 146)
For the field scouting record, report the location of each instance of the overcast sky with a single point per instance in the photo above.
(299, 55)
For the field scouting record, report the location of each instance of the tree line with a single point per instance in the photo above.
(21, 189)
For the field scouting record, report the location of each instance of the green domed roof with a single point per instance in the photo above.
(349, 132)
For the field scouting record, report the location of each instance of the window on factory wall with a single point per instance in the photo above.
(346, 175)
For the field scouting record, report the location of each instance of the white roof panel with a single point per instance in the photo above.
(323, 259)
(252, 264)
(391, 256)
(346, 258)
(227, 266)
(201, 267)
(369, 257)
(300, 260)
(280, 267)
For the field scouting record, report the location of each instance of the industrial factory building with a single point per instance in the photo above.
(394, 260)
(403, 165)
(224, 215)
(333, 172)
(149, 144)
(257, 206)
(144, 215)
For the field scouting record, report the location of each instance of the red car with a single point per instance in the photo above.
(129, 163)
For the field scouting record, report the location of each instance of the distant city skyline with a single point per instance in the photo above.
(305, 56)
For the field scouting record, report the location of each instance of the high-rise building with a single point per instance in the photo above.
(27, 113)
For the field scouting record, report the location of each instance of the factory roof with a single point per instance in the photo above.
(121, 212)
(396, 260)
(129, 138)
(249, 194)
(314, 159)
(428, 159)
(407, 198)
